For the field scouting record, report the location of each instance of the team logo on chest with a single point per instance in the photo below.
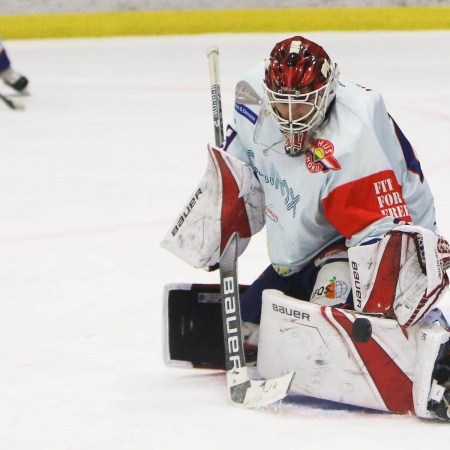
(319, 157)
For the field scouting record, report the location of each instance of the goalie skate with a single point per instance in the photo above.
(439, 402)
(13, 79)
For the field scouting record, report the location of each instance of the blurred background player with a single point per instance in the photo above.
(11, 78)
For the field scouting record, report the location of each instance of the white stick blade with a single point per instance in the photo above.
(19, 106)
(263, 392)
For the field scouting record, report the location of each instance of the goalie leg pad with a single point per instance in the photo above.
(193, 335)
(350, 358)
(193, 330)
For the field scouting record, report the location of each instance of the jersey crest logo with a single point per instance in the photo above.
(319, 157)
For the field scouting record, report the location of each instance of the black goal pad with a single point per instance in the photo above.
(193, 326)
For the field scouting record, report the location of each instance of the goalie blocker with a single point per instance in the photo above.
(339, 355)
(193, 329)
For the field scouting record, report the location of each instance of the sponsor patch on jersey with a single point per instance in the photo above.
(365, 201)
(271, 214)
(246, 95)
(246, 112)
(319, 157)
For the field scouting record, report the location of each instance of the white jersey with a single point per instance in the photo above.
(358, 179)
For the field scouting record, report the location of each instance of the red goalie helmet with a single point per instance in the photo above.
(300, 83)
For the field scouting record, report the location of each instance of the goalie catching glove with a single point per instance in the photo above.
(227, 200)
(402, 275)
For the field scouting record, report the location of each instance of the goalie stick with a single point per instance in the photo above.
(242, 390)
(213, 58)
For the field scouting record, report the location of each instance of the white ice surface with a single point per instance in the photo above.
(92, 173)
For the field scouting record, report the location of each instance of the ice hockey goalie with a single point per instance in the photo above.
(357, 267)
(390, 352)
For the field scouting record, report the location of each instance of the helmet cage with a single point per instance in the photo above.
(317, 101)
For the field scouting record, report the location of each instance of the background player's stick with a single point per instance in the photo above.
(242, 390)
(12, 104)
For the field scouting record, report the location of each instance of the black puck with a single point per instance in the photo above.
(362, 330)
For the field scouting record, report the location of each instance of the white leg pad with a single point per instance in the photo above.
(349, 357)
